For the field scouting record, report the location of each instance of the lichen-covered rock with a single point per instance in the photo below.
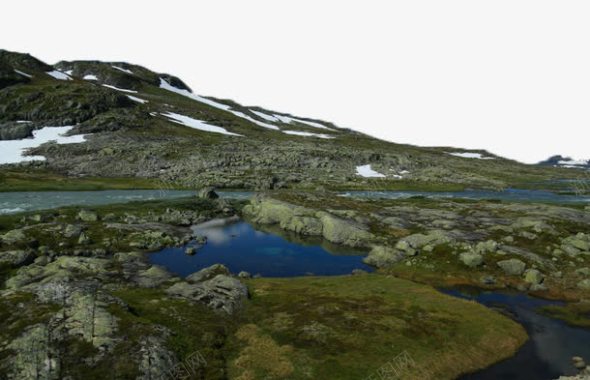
(14, 237)
(87, 216)
(221, 293)
(156, 362)
(383, 256)
(471, 259)
(152, 277)
(533, 276)
(208, 273)
(36, 356)
(513, 267)
(489, 246)
(17, 258)
(342, 231)
(584, 284)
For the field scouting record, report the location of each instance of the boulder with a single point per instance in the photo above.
(533, 276)
(471, 259)
(152, 277)
(382, 256)
(489, 246)
(513, 267)
(584, 284)
(207, 193)
(14, 237)
(87, 216)
(17, 258)
(72, 231)
(244, 274)
(208, 273)
(343, 231)
(221, 293)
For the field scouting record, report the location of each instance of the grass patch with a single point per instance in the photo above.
(350, 327)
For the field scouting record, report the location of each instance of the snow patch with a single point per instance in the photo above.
(308, 134)
(196, 124)
(119, 89)
(90, 77)
(260, 123)
(367, 172)
(126, 71)
(69, 72)
(289, 120)
(264, 116)
(22, 73)
(59, 75)
(13, 151)
(573, 162)
(136, 99)
(167, 86)
(478, 156)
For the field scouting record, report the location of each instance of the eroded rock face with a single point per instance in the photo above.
(221, 293)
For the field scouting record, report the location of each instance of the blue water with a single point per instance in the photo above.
(241, 247)
(552, 344)
(514, 195)
(20, 201)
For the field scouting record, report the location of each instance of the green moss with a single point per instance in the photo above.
(349, 327)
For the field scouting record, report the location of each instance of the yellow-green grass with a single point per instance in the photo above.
(351, 327)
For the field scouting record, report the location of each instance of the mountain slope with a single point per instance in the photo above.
(138, 123)
(565, 162)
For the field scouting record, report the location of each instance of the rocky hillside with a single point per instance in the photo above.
(566, 162)
(129, 122)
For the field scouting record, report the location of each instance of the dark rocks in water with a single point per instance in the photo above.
(207, 193)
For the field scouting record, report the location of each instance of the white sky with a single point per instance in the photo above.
(510, 76)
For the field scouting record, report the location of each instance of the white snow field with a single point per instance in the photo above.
(196, 124)
(13, 151)
(59, 75)
(367, 172)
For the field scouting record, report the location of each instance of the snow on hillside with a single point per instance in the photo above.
(119, 89)
(196, 124)
(367, 172)
(478, 156)
(13, 150)
(59, 75)
(308, 134)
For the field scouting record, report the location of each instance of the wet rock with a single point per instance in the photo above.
(471, 259)
(190, 251)
(208, 273)
(513, 267)
(208, 193)
(221, 293)
(17, 258)
(87, 216)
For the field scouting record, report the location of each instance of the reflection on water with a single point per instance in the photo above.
(241, 247)
(552, 344)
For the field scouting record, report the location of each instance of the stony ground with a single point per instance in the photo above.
(80, 300)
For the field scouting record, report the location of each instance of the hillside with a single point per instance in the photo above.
(127, 122)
